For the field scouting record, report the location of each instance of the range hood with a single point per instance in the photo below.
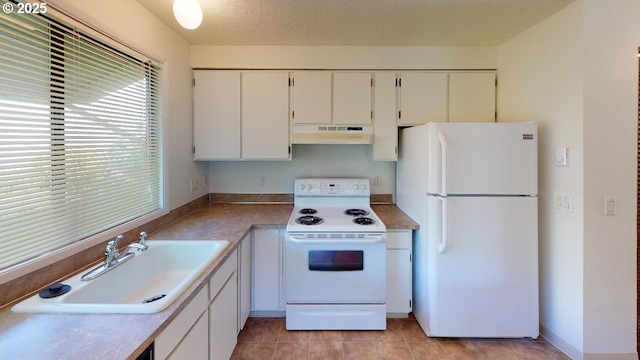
(331, 134)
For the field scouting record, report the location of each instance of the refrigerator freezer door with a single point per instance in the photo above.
(483, 158)
(485, 283)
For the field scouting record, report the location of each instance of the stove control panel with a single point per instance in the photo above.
(332, 187)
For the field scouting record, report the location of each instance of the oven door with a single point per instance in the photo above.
(336, 270)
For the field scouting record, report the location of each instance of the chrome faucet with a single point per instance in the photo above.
(143, 238)
(113, 258)
(112, 253)
(141, 245)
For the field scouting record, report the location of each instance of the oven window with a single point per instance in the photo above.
(336, 260)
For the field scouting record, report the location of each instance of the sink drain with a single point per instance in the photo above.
(153, 298)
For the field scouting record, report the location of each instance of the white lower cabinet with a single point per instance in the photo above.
(399, 272)
(177, 338)
(223, 309)
(207, 328)
(267, 281)
(194, 346)
(223, 333)
(244, 280)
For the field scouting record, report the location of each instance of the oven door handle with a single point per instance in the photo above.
(368, 240)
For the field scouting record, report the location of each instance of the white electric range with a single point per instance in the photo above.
(335, 255)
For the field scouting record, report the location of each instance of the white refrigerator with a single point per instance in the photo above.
(472, 187)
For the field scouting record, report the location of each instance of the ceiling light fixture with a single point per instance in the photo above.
(188, 13)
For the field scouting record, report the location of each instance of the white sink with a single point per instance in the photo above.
(167, 268)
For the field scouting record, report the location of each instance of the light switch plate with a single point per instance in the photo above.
(561, 156)
(609, 206)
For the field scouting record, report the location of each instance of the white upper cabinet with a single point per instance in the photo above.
(385, 131)
(352, 98)
(472, 96)
(423, 97)
(241, 115)
(216, 115)
(265, 120)
(311, 97)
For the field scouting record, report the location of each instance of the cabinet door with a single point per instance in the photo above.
(216, 115)
(423, 98)
(311, 97)
(267, 270)
(170, 338)
(244, 276)
(385, 131)
(352, 98)
(194, 346)
(265, 119)
(223, 317)
(399, 272)
(472, 97)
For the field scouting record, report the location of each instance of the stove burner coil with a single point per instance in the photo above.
(308, 211)
(364, 221)
(356, 212)
(309, 220)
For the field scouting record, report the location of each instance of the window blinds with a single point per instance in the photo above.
(80, 137)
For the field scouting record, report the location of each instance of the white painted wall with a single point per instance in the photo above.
(130, 23)
(540, 79)
(577, 74)
(611, 40)
(308, 161)
(344, 57)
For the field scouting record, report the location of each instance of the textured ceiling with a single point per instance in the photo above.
(359, 22)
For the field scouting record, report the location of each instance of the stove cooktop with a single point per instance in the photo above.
(334, 219)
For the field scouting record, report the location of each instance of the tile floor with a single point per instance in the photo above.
(267, 339)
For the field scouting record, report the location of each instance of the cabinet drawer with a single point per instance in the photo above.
(399, 239)
(220, 277)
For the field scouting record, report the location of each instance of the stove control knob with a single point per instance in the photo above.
(309, 187)
(360, 187)
(302, 186)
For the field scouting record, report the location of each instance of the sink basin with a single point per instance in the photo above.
(158, 275)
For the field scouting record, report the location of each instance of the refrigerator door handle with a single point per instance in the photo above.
(443, 231)
(443, 171)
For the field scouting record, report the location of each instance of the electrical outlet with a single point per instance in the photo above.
(377, 180)
(195, 184)
(262, 179)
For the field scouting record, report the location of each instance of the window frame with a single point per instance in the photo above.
(18, 270)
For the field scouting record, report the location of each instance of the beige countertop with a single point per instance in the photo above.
(125, 336)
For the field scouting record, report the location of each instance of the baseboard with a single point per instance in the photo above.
(561, 344)
(576, 354)
(267, 313)
(628, 356)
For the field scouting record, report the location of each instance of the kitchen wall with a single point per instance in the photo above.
(130, 23)
(344, 57)
(325, 160)
(308, 161)
(576, 73)
(549, 91)
(611, 39)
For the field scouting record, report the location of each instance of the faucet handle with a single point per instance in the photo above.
(112, 245)
(143, 238)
